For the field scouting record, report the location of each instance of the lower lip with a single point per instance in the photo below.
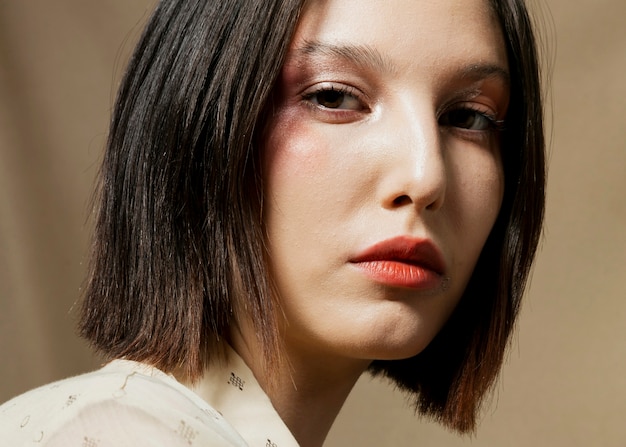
(401, 274)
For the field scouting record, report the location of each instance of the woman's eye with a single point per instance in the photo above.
(469, 119)
(331, 98)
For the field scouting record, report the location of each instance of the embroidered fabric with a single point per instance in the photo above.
(128, 403)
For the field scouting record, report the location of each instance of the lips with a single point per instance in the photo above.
(403, 262)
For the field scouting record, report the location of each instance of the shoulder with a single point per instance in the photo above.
(123, 404)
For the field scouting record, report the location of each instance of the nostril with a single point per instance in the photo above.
(402, 200)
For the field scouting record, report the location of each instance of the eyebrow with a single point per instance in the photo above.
(363, 56)
(486, 71)
(367, 57)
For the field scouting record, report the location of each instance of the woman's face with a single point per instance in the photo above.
(382, 171)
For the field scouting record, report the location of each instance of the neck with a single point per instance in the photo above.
(306, 391)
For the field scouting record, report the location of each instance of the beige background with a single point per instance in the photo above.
(565, 382)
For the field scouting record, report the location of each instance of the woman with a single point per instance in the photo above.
(294, 193)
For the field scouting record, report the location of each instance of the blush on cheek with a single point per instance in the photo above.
(292, 148)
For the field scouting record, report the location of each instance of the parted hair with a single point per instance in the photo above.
(178, 245)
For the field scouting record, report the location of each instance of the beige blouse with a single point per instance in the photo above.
(131, 404)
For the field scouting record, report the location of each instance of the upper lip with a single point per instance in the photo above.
(407, 249)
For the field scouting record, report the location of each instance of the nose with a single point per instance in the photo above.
(415, 165)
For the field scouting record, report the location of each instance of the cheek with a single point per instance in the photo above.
(483, 193)
(473, 202)
(479, 194)
(307, 171)
(296, 177)
(291, 153)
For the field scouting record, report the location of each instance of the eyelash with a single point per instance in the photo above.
(344, 92)
(492, 122)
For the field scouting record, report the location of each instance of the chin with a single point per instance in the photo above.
(397, 349)
(396, 338)
(398, 353)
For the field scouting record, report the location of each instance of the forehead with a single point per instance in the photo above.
(407, 33)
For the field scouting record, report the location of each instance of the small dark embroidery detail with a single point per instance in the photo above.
(236, 381)
(25, 421)
(187, 432)
(70, 400)
(89, 442)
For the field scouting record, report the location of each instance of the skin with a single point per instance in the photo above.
(382, 127)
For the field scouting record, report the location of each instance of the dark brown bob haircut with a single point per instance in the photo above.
(178, 248)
